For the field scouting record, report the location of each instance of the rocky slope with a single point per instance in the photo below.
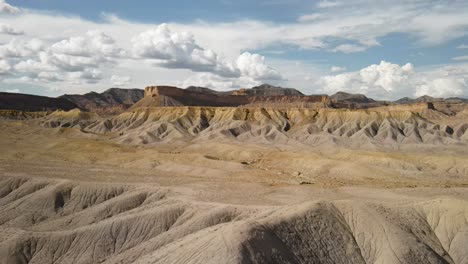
(352, 98)
(58, 221)
(111, 101)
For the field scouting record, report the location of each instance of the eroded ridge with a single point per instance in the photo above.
(267, 125)
(51, 221)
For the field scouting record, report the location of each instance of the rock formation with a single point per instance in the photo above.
(111, 101)
(156, 96)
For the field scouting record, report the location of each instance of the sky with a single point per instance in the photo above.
(383, 49)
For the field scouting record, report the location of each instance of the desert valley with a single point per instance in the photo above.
(237, 132)
(256, 175)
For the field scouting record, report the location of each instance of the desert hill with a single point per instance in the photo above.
(57, 221)
(269, 125)
(116, 100)
(113, 100)
(169, 114)
(354, 98)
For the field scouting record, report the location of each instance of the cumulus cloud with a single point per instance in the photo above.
(20, 48)
(392, 81)
(91, 44)
(9, 30)
(448, 81)
(379, 80)
(120, 80)
(254, 66)
(6, 8)
(75, 59)
(179, 50)
(442, 87)
(253, 71)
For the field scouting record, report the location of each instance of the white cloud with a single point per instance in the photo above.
(460, 58)
(352, 26)
(74, 60)
(462, 46)
(328, 4)
(85, 76)
(6, 8)
(349, 48)
(442, 87)
(50, 76)
(335, 69)
(217, 82)
(120, 80)
(392, 81)
(253, 71)
(382, 80)
(4, 66)
(92, 44)
(20, 48)
(179, 50)
(13, 91)
(310, 17)
(9, 30)
(253, 66)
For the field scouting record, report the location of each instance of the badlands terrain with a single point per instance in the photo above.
(262, 175)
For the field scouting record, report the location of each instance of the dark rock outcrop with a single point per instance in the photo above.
(33, 103)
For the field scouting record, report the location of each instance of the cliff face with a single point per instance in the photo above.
(156, 96)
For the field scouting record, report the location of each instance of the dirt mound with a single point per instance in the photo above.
(45, 221)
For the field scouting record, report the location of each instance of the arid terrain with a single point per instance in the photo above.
(246, 177)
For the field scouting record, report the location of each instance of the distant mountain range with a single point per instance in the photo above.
(116, 100)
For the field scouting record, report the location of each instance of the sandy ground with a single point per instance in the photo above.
(372, 199)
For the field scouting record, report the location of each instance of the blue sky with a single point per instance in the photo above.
(386, 50)
(178, 11)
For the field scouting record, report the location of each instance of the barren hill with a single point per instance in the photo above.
(353, 98)
(113, 100)
(272, 125)
(244, 184)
